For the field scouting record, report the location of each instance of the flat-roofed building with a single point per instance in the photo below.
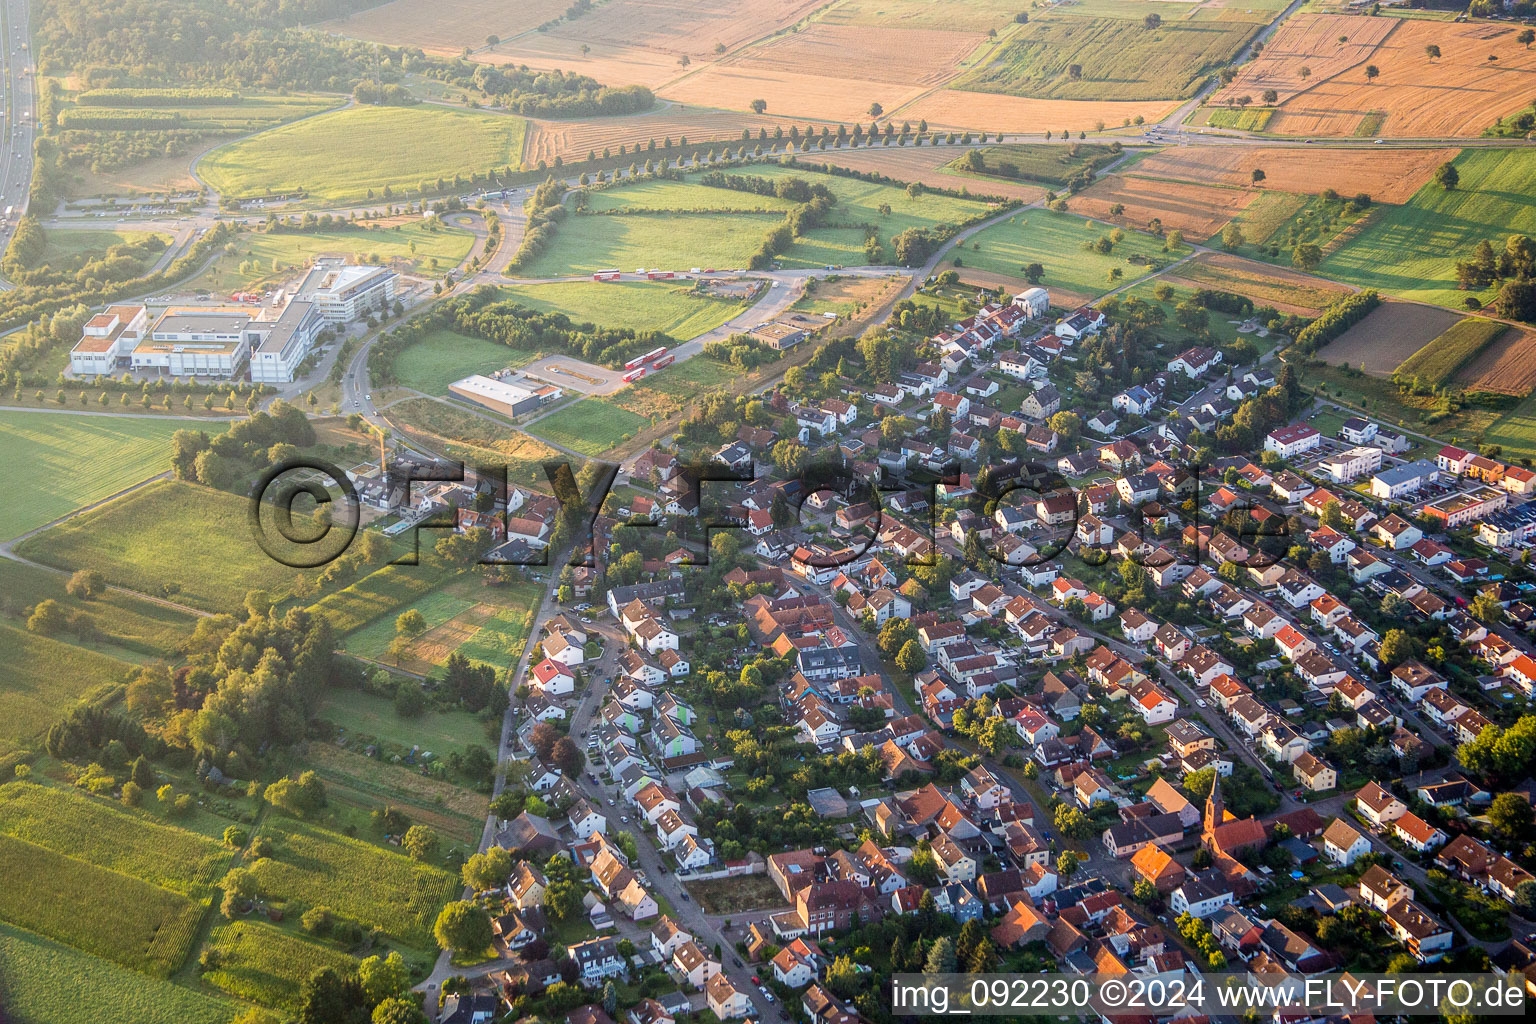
(108, 340)
(279, 346)
(509, 397)
(343, 293)
(778, 335)
(191, 342)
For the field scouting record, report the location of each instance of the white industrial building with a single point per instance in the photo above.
(108, 339)
(343, 293)
(221, 341)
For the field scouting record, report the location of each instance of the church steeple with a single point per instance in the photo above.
(1215, 810)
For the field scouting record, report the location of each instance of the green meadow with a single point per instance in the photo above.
(1411, 250)
(344, 154)
(1055, 240)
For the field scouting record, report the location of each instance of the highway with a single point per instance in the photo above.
(18, 113)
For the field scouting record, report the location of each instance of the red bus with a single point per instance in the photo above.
(663, 361)
(661, 275)
(654, 354)
(634, 375)
(635, 363)
(606, 275)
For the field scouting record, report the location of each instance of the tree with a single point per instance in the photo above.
(1447, 176)
(941, 958)
(85, 584)
(1432, 52)
(875, 110)
(1525, 898)
(1527, 37)
(911, 659)
(1152, 20)
(758, 106)
(1306, 256)
(1271, 97)
(463, 927)
(1371, 72)
(1067, 864)
(239, 886)
(1231, 237)
(1034, 272)
(411, 623)
(487, 870)
(1396, 647)
(48, 618)
(421, 842)
(383, 977)
(1072, 823)
(1257, 176)
(398, 1010)
(1511, 814)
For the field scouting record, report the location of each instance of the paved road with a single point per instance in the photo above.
(20, 114)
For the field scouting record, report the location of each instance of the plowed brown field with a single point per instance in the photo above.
(1197, 210)
(1507, 366)
(955, 108)
(923, 164)
(1391, 176)
(1289, 291)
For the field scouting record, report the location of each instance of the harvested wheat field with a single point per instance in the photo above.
(1308, 41)
(984, 111)
(573, 140)
(612, 64)
(1507, 366)
(1459, 94)
(1199, 211)
(871, 65)
(1289, 291)
(1389, 176)
(819, 96)
(1392, 332)
(692, 28)
(923, 164)
(445, 26)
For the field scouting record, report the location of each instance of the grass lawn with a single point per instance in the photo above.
(584, 244)
(357, 785)
(477, 439)
(71, 248)
(1411, 250)
(390, 589)
(588, 426)
(1048, 165)
(365, 714)
(1221, 332)
(444, 356)
(1438, 361)
(642, 305)
(268, 965)
(1515, 430)
(66, 899)
(185, 540)
(342, 155)
(675, 196)
(111, 836)
(364, 883)
(408, 245)
(43, 677)
(373, 640)
(132, 628)
(1055, 240)
(1241, 120)
(98, 991)
(74, 460)
(859, 202)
